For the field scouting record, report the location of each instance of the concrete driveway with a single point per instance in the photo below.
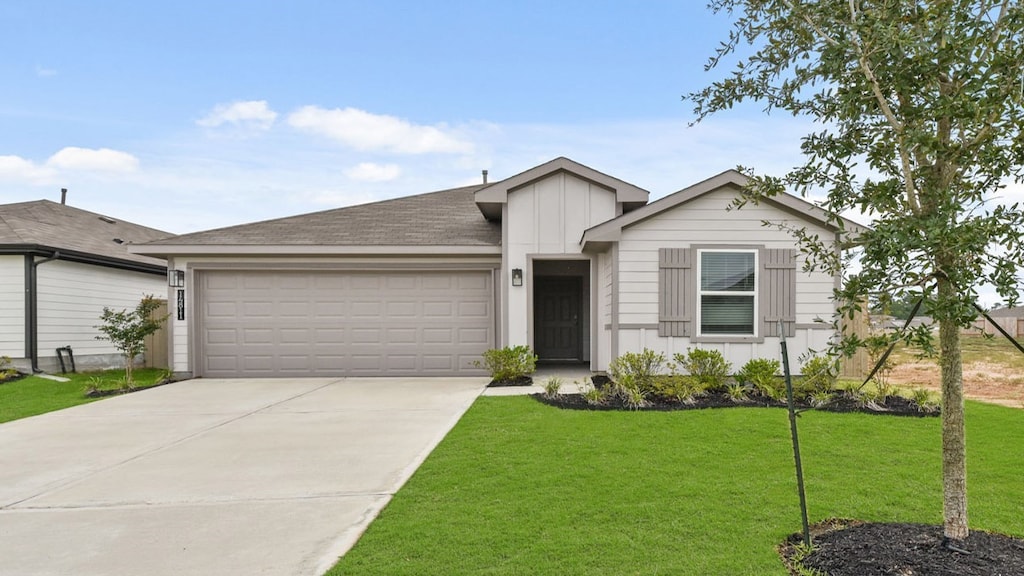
(215, 476)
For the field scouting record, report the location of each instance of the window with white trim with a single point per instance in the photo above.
(727, 294)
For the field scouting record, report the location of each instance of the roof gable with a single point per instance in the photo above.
(43, 224)
(611, 230)
(490, 198)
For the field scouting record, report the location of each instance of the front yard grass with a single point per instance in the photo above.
(518, 487)
(33, 395)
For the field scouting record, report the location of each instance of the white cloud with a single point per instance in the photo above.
(365, 131)
(19, 169)
(249, 114)
(93, 160)
(370, 172)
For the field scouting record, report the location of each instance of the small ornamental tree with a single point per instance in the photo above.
(127, 331)
(918, 110)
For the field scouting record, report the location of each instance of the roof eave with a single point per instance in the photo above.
(311, 250)
(83, 257)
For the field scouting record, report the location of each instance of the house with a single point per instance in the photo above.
(1011, 320)
(59, 267)
(563, 258)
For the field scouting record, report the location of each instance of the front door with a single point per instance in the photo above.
(556, 317)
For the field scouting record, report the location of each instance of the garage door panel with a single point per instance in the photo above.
(287, 323)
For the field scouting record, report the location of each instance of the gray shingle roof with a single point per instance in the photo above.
(53, 225)
(444, 218)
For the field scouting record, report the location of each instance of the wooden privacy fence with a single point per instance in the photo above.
(856, 366)
(156, 343)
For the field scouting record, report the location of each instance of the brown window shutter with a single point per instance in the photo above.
(676, 296)
(778, 291)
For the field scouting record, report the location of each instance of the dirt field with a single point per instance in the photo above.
(993, 371)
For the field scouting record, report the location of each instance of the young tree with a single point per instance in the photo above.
(918, 117)
(127, 331)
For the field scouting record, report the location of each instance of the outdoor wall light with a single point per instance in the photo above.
(517, 276)
(176, 278)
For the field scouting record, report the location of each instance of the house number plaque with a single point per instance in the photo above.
(181, 304)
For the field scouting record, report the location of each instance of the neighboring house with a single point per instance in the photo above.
(59, 266)
(1010, 320)
(565, 259)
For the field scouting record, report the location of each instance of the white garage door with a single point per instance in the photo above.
(282, 323)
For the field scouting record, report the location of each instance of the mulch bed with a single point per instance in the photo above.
(521, 381)
(841, 402)
(851, 548)
(118, 391)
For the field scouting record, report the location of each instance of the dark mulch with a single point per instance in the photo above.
(851, 548)
(17, 376)
(521, 381)
(842, 402)
(118, 391)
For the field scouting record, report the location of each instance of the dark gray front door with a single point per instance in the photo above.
(556, 317)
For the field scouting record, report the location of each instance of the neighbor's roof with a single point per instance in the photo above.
(435, 219)
(1015, 312)
(47, 225)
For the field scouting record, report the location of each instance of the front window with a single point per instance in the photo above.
(728, 292)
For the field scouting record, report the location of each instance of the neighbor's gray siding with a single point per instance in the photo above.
(71, 300)
(12, 306)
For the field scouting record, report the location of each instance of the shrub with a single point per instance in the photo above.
(923, 400)
(508, 363)
(633, 398)
(595, 396)
(677, 388)
(553, 387)
(761, 374)
(7, 369)
(819, 374)
(820, 398)
(636, 369)
(707, 366)
(737, 393)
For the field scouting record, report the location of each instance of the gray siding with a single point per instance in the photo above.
(12, 306)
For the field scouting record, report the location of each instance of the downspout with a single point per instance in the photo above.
(32, 308)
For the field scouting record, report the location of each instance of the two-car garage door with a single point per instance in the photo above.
(332, 323)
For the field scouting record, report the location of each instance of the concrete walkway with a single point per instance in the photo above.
(217, 477)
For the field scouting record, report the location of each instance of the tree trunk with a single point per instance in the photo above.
(954, 452)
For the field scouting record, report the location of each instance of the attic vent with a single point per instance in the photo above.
(108, 219)
(118, 241)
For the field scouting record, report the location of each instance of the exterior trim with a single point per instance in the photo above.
(160, 250)
(31, 250)
(595, 333)
(614, 350)
(505, 278)
(30, 292)
(342, 266)
(817, 326)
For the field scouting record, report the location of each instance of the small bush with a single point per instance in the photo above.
(677, 388)
(553, 387)
(7, 369)
(595, 396)
(508, 363)
(709, 367)
(737, 393)
(923, 400)
(761, 374)
(819, 374)
(636, 369)
(633, 398)
(820, 398)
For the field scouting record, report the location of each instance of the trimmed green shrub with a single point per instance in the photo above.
(508, 363)
(709, 367)
(636, 369)
(761, 373)
(819, 374)
(677, 388)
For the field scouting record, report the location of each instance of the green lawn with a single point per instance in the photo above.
(522, 488)
(34, 395)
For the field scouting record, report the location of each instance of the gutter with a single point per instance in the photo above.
(30, 250)
(32, 307)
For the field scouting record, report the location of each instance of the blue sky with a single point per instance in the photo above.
(191, 115)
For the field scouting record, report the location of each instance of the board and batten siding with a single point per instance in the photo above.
(12, 306)
(546, 219)
(706, 221)
(71, 297)
(604, 301)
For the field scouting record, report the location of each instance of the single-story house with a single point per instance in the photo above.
(59, 267)
(1011, 320)
(563, 258)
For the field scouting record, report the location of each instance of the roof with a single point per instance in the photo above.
(1015, 312)
(435, 219)
(47, 225)
(490, 198)
(611, 230)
